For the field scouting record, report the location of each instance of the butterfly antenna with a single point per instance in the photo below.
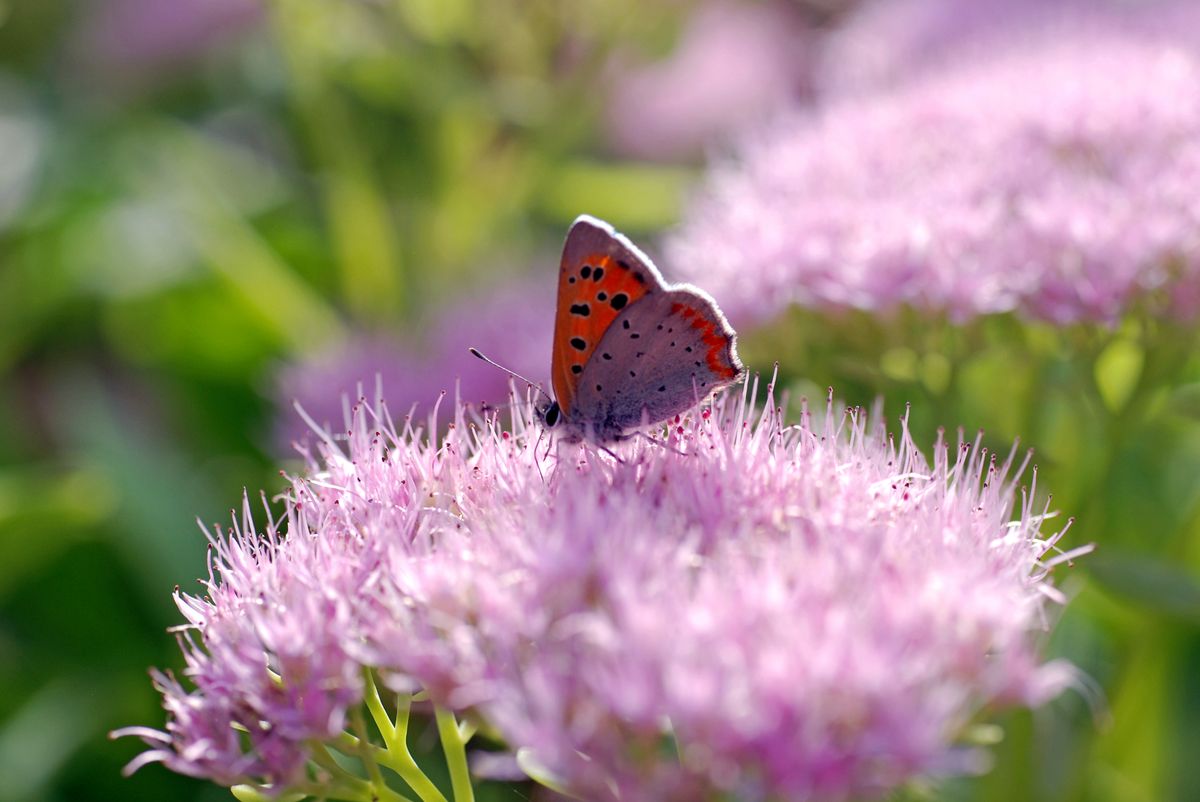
(476, 352)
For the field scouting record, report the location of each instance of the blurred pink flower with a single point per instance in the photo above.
(129, 37)
(888, 41)
(512, 325)
(806, 611)
(734, 64)
(1059, 179)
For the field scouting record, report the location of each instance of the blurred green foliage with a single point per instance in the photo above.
(174, 224)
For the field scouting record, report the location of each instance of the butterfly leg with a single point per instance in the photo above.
(612, 454)
(661, 444)
(537, 462)
(550, 441)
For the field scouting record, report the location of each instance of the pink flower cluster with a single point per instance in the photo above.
(1052, 176)
(885, 42)
(746, 609)
(734, 63)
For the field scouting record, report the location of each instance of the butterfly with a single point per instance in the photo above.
(630, 350)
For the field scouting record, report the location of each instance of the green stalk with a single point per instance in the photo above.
(366, 751)
(321, 791)
(395, 755)
(347, 783)
(375, 704)
(456, 755)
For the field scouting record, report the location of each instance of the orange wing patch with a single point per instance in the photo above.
(591, 294)
(719, 356)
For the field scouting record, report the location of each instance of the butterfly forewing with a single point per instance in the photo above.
(659, 358)
(601, 276)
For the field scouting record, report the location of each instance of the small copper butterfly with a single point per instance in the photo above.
(630, 350)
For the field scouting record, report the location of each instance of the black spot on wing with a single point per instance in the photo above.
(583, 310)
(619, 300)
(602, 296)
(606, 356)
(579, 344)
(577, 369)
(587, 271)
(598, 274)
(625, 324)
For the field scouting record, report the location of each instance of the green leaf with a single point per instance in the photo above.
(1164, 588)
(1117, 370)
(630, 196)
(899, 363)
(37, 500)
(43, 734)
(1185, 400)
(935, 372)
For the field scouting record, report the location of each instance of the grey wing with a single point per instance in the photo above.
(661, 356)
(590, 237)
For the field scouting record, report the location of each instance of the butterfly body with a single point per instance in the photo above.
(630, 350)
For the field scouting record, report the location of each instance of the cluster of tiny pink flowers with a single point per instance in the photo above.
(744, 609)
(883, 43)
(733, 63)
(1049, 176)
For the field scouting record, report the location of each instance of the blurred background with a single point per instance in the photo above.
(211, 209)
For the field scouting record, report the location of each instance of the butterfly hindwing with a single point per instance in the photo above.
(602, 274)
(660, 357)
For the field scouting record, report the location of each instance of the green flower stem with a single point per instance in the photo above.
(453, 745)
(395, 754)
(349, 787)
(397, 759)
(366, 750)
(403, 713)
(403, 764)
(375, 704)
(250, 793)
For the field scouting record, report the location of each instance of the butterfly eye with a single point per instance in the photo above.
(552, 415)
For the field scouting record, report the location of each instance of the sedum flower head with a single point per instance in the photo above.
(748, 610)
(1055, 178)
(886, 41)
(734, 62)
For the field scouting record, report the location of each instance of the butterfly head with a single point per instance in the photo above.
(549, 413)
